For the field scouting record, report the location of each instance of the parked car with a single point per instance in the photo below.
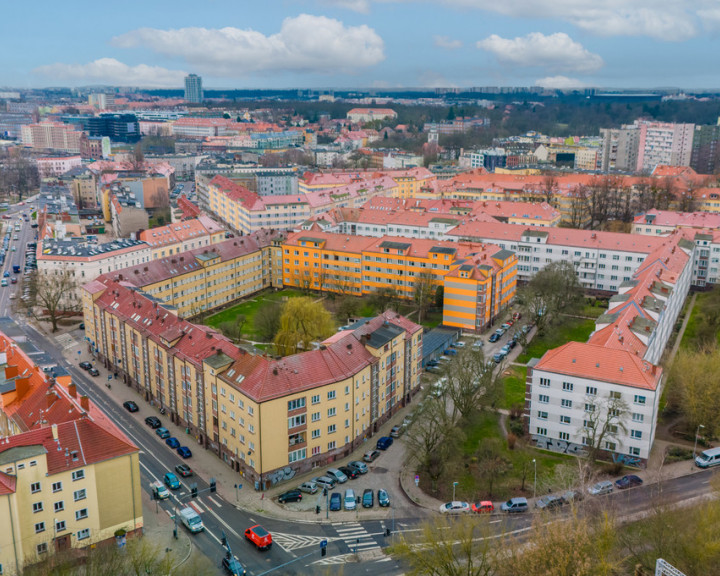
(383, 498)
(483, 507)
(349, 499)
(325, 482)
(526, 328)
(184, 452)
(371, 455)
(396, 431)
(572, 496)
(351, 473)
(171, 481)
(455, 507)
(259, 536)
(85, 365)
(290, 496)
(515, 505)
(184, 470)
(153, 422)
(94, 372)
(336, 475)
(459, 344)
(309, 487)
(505, 350)
(335, 502)
(498, 357)
(603, 487)
(517, 316)
(628, 481)
(431, 363)
(163, 433)
(494, 337)
(172, 442)
(512, 343)
(477, 345)
(130, 406)
(368, 499)
(384, 443)
(549, 502)
(361, 467)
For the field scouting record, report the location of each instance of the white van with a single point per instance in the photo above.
(708, 458)
(191, 519)
(349, 500)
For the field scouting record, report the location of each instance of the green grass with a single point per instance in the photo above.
(514, 386)
(249, 308)
(570, 329)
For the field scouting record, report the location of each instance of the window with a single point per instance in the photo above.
(637, 434)
(83, 534)
(295, 404)
(544, 382)
(542, 415)
(331, 445)
(251, 411)
(591, 390)
(635, 451)
(544, 399)
(639, 399)
(35, 487)
(541, 431)
(57, 486)
(316, 433)
(59, 525)
(331, 395)
(347, 423)
(315, 399)
(564, 419)
(638, 417)
(79, 495)
(297, 455)
(332, 412)
(565, 403)
(81, 514)
(564, 436)
(59, 506)
(37, 507)
(568, 386)
(610, 445)
(331, 429)
(42, 548)
(78, 475)
(39, 527)
(589, 407)
(315, 417)
(298, 420)
(615, 395)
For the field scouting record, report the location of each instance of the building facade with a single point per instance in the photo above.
(193, 89)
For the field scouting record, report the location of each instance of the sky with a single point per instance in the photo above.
(327, 44)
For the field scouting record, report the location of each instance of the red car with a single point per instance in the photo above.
(517, 316)
(484, 507)
(259, 536)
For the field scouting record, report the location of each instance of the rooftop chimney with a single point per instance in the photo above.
(72, 389)
(85, 403)
(55, 432)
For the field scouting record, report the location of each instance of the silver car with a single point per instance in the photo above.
(603, 487)
(325, 482)
(308, 487)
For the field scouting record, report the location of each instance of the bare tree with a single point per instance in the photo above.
(55, 295)
(579, 207)
(423, 293)
(471, 383)
(548, 187)
(605, 419)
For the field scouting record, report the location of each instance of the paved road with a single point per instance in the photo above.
(25, 235)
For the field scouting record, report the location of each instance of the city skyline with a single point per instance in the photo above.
(363, 43)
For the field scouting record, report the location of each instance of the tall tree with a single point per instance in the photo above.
(267, 320)
(605, 420)
(303, 321)
(423, 293)
(471, 383)
(55, 295)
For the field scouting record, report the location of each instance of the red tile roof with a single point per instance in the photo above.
(7, 483)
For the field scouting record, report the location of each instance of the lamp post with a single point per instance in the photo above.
(454, 485)
(534, 478)
(696, 437)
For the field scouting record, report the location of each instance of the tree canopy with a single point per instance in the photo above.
(303, 321)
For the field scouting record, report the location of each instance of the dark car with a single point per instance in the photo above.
(494, 337)
(85, 365)
(232, 566)
(130, 406)
(628, 481)
(94, 372)
(184, 452)
(368, 499)
(172, 442)
(184, 470)
(335, 502)
(82, 326)
(290, 496)
(351, 473)
(153, 422)
(549, 502)
(384, 443)
(512, 343)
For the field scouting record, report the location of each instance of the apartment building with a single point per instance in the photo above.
(662, 222)
(69, 478)
(182, 236)
(54, 166)
(52, 136)
(205, 278)
(664, 143)
(259, 415)
(370, 114)
(362, 265)
(614, 380)
(246, 211)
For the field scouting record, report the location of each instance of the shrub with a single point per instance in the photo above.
(517, 428)
(612, 468)
(677, 454)
(511, 440)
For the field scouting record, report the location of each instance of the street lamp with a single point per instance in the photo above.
(696, 437)
(534, 478)
(454, 484)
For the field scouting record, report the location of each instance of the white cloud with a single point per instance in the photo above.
(112, 71)
(556, 51)
(361, 6)
(304, 44)
(448, 43)
(559, 82)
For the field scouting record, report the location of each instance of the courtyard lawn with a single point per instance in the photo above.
(571, 329)
(249, 308)
(514, 386)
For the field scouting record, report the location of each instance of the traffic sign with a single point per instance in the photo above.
(417, 480)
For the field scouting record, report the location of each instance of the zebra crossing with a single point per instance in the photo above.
(355, 536)
(66, 341)
(290, 542)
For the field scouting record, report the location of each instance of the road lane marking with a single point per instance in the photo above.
(227, 526)
(494, 521)
(214, 501)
